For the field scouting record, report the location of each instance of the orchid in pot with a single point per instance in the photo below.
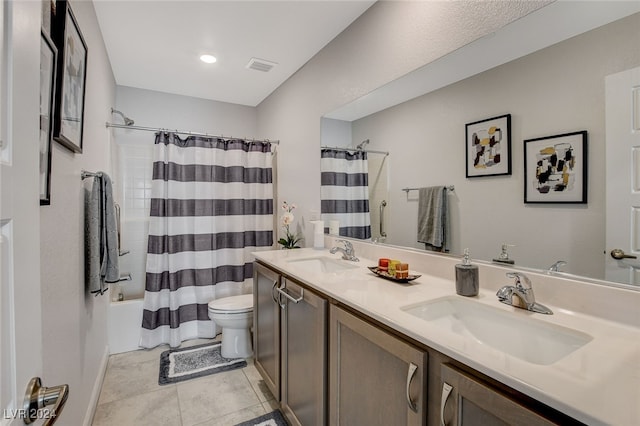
(290, 240)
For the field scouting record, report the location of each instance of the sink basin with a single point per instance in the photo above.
(526, 338)
(322, 264)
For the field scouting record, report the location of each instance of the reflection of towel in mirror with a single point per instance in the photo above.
(101, 236)
(432, 218)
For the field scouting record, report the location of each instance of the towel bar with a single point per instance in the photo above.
(449, 188)
(125, 278)
(85, 174)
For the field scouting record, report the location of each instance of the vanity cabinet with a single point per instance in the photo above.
(466, 400)
(290, 345)
(266, 326)
(304, 354)
(375, 378)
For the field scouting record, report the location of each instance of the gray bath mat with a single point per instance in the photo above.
(183, 364)
(274, 418)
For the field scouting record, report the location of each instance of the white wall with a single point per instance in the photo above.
(135, 157)
(74, 324)
(157, 109)
(336, 133)
(557, 90)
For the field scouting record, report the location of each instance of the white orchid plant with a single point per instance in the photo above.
(290, 240)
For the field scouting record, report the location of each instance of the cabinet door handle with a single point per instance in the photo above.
(273, 294)
(412, 372)
(446, 391)
(282, 291)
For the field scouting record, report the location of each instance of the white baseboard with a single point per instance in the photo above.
(97, 387)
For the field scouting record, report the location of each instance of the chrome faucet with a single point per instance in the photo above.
(521, 294)
(556, 266)
(348, 252)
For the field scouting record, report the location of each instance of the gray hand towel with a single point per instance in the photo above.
(109, 269)
(92, 238)
(432, 218)
(101, 236)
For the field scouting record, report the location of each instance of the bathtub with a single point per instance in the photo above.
(125, 320)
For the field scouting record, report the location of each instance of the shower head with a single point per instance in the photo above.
(361, 145)
(127, 120)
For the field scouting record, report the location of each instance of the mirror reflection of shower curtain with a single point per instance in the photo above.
(344, 191)
(211, 207)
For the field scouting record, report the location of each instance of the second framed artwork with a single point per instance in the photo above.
(555, 168)
(488, 147)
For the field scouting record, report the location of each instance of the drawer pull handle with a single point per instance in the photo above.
(412, 372)
(273, 294)
(283, 292)
(446, 391)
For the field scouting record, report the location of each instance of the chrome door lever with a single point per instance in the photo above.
(37, 397)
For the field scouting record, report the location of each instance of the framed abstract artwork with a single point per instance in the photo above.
(488, 147)
(555, 168)
(71, 81)
(48, 55)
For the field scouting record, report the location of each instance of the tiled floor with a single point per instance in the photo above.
(131, 395)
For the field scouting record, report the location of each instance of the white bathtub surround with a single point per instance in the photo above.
(125, 319)
(599, 383)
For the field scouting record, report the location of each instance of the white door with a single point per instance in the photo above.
(20, 319)
(623, 177)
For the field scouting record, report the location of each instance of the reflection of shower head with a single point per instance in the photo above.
(362, 144)
(127, 120)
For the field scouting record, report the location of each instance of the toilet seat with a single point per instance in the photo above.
(232, 304)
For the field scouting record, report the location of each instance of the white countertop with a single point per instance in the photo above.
(598, 383)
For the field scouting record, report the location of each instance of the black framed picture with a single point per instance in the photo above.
(555, 168)
(48, 56)
(488, 147)
(71, 81)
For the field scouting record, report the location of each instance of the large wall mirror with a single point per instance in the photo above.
(548, 71)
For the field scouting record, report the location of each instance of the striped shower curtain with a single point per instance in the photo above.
(344, 191)
(211, 206)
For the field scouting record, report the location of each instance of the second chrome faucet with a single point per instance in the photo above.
(348, 252)
(521, 294)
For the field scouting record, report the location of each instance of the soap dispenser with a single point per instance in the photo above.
(467, 280)
(503, 257)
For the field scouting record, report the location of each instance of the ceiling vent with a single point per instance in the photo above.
(260, 65)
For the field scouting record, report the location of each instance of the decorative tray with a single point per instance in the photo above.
(385, 274)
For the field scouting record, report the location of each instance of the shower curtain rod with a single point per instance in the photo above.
(355, 150)
(183, 132)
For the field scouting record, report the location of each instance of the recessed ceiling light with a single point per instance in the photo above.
(209, 59)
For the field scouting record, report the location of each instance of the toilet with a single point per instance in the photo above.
(235, 315)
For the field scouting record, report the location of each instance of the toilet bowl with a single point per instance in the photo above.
(235, 315)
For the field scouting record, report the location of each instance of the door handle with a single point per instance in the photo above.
(282, 291)
(620, 254)
(410, 373)
(446, 391)
(273, 294)
(37, 397)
